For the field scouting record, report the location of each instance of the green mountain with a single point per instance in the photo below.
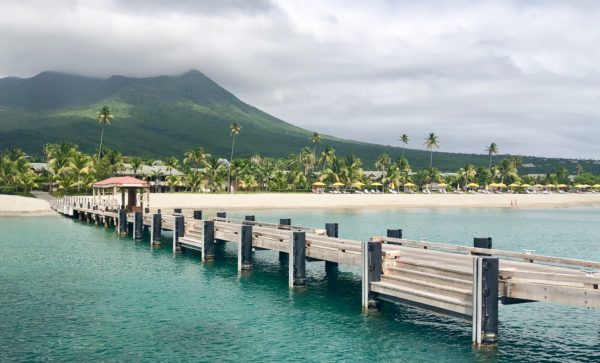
(168, 115)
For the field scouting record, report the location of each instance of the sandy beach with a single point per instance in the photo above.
(388, 201)
(11, 205)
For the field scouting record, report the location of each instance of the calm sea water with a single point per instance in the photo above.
(75, 292)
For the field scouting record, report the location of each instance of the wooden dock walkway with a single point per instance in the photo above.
(467, 282)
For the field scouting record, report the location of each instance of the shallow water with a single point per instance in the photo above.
(71, 291)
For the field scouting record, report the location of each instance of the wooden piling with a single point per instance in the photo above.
(297, 259)
(138, 226)
(332, 230)
(221, 215)
(122, 222)
(394, 233)
(178, 231)
(156, 229)
(485, 300)
(208, 248)
(245, 248)
(198, 214)
(371, 271)
(485, 242)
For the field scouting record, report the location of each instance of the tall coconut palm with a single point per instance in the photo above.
(196, 157)
(491, 150)
(328, 156)
(404, 140)
(104, 118)
(235, 130)
(316, 139)
(136, 165)
(431, 141)
(382, 162)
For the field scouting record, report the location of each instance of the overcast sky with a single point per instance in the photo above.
(524, 73)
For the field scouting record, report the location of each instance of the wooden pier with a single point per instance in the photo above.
(466, 282)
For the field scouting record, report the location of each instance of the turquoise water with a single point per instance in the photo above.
(75, 292)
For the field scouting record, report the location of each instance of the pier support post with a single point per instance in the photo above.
(105, 219)
(156, 229)
(178, 231)
(177, 210)
(371, 271)
(250, 218)
(138, 225)
(284, 223)
(485, 242)
(332, 230)
(394, 233)
(245, 249)
(122, 222)
(485, 300)
(221, 215)
(208, 248)
(198, 214)
(297, 259)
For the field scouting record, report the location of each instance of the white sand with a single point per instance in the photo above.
(389, 201)
(11, 205)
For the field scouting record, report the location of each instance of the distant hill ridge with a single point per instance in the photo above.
(168, 115)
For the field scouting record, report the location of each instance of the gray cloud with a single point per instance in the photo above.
(521, 74)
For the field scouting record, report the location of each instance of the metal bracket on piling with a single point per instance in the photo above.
(245, 248)
(297, 259)
(485, 300)
(208, 249)
(371, 271)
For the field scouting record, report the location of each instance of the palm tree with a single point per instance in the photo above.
(82, 165)
(491, 150)
(316, 139)
(431, 141)
(235, 130)
(136, 164)
(382, 162)
(104, 118)
(404, 140)
(196, 157)
(328, 156)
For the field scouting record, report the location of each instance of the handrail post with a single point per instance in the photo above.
(138, 225)
(482, 242)
(122, 222)
(178, 231)
(283, 223)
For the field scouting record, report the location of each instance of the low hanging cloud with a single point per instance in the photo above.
(523, 74)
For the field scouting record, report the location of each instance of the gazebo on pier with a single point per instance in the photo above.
(135, 193)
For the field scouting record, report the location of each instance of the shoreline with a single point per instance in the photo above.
(17, 206)
(376, 201)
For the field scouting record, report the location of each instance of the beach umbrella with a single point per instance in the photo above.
(596, 186)
(337, 184)
(585, 186)
(550, 186)
(358, 184)
(538, 186)
(473, 185)
(318, 184)
(514, 185)
(562, 185)
(525, 185)
(377, 184)
(501, 185)
(409, 184)
(493, 185)
(442, 185)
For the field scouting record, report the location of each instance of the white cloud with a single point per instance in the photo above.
(522, 74)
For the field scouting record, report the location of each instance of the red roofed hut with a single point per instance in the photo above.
(135, 193)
